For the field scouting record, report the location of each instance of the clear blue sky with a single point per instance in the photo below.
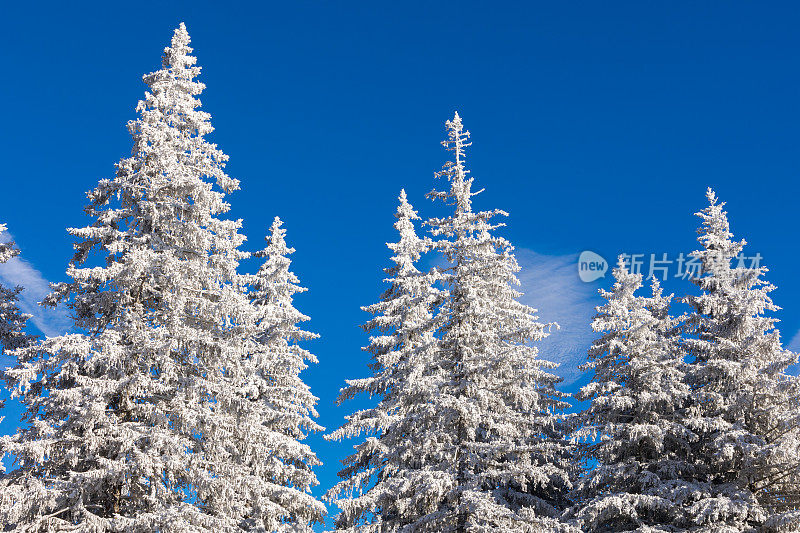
(597, 125)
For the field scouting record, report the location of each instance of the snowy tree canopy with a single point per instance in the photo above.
(137, 423)
(511, 467)
(177, 402)
(634, 423)
(468, 433)
(279, 404)
(13, 321)
(745, 406)
(393, 480)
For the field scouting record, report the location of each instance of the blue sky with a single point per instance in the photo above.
(598, 126)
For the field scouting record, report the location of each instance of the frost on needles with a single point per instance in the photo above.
(13, 321)
(176, 402)
(165, 413)
(285, 405)
(396, 474)
(634, 423)
(468, 431)
(744, 409)
(693, 422)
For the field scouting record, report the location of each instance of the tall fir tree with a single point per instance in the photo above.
(395, 478)
(510, 467)
(136, 423)
(284, 406)
(637, 441)
(745, 405)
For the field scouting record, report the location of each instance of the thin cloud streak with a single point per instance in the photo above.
(551, 285)
(794, 344)
(17, 271)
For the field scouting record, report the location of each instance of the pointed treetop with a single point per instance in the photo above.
(180, 37)
(408, 249)
(715, 218)
(460, 184)
(177, 54)
(276, 232)
(712, 196)
(715, 235)
(622, 264)
(275, 228)
(624, 280)
(622, 269)
(277, 240)
(405, 209)
(457, 138)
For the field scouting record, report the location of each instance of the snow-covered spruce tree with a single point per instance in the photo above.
(509, 466)
(12, 320)
(395, 479)
(273, 431)
(135, 424)
(637, 441)
(745, 405)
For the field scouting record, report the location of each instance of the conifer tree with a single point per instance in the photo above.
(12, 320)
(509, 466)
(745, 405)
(280, 404)
(136, 422)
(394, 480)
(638, 442)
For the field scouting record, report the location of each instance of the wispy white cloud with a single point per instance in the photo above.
(18, 271)
(794, 344)
(551, 285)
